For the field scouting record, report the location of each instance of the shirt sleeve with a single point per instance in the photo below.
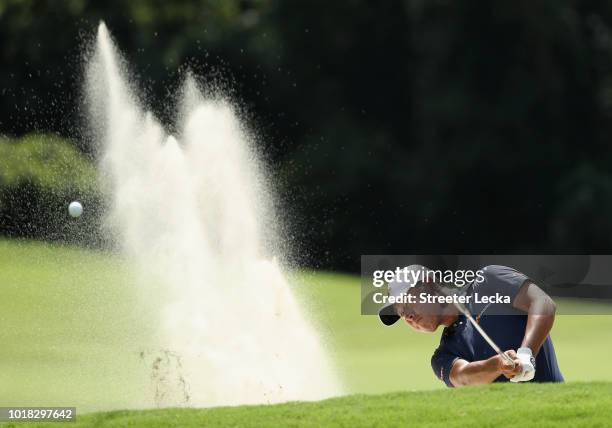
(504, 280)
(442, 362)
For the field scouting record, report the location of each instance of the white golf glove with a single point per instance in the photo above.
(528, 361)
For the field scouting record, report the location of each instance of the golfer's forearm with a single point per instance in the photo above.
(540, 310)
(538, 326)
(475, 373)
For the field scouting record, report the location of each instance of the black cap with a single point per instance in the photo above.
(387, 315)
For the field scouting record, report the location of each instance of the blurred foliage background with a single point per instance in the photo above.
(423, 125)
(40, 176)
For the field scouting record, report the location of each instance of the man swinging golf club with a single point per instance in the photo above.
(503, 310)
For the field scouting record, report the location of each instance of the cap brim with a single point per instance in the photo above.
(387, 315)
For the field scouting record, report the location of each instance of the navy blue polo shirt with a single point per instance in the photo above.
(503, 323)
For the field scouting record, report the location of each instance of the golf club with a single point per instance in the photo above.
(483, 333)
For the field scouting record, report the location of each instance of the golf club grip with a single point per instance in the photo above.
(508, 359)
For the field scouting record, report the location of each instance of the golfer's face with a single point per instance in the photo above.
(423, 317)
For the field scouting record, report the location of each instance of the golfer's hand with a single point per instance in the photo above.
(507, 369)
(528, 362)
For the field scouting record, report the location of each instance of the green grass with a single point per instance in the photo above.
(73, 328)
(509, 405)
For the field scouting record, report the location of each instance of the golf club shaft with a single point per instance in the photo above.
(479, 329)
(484, 334)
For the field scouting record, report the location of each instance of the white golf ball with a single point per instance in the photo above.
(75, 209)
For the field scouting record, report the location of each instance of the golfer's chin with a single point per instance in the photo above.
(429, 329)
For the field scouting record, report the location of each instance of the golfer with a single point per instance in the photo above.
(514, 311)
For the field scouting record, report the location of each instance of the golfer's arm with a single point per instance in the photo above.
(475, 373)
(540, 310)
